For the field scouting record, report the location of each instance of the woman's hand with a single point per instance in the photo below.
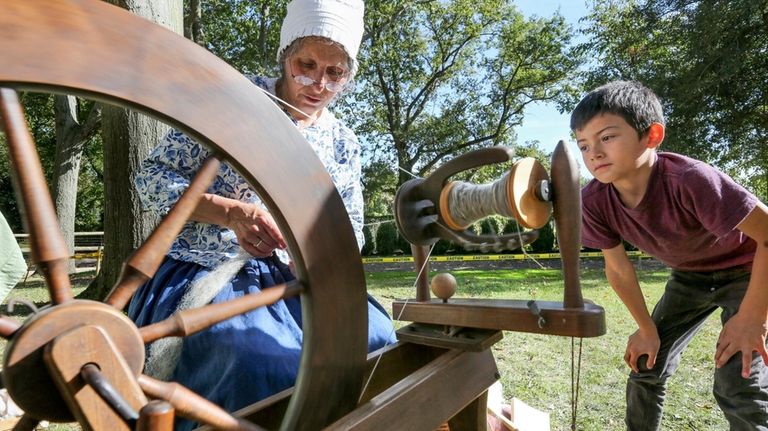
(256, 230)
(642, 343)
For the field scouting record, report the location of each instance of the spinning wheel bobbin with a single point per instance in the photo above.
(432, 208)
(522, 193)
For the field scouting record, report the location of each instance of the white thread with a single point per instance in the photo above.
(164, 354)
(285, 103)
(376, 223)
(408, 172)
(522, 248)
(378, 358)
(471, 202)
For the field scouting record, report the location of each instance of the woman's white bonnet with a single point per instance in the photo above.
(338, 20)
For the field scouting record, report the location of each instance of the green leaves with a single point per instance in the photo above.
(441, 78)
(707, 61)
(244, 33)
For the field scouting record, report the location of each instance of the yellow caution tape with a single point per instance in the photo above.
(491, 257)
(463, 258)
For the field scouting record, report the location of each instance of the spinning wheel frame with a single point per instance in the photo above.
(107, 54)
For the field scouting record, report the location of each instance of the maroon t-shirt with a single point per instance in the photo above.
(687, 218)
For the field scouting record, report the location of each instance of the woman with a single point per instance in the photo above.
(252, 356)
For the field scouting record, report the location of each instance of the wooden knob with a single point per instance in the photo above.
(443, 286)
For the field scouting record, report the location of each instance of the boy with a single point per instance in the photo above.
(710, 231)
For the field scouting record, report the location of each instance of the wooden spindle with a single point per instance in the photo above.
(187, 322)
(49, 250)
(143, 263)
(567, 215)
(8, 327)
(192, 406)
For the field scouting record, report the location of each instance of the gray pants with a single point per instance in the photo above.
(689, 298)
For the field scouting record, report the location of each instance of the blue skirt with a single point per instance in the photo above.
(248, 357)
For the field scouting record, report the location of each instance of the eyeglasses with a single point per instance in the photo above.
(335, 82)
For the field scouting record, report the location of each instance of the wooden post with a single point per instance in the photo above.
(567, 214)
(421, 260)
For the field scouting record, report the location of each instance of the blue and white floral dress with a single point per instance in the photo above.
(254, 355)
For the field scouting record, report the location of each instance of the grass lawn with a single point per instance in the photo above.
(536, 368)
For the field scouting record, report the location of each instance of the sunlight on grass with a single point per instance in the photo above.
(537, 368)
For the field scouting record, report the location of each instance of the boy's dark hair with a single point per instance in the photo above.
(636, 103)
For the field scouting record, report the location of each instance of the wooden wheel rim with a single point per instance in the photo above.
(105, 53)
(530, 211)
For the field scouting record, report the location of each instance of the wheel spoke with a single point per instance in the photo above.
(188, 322)
(8, 327)
(143, 264)
(49, 251)
(192, 406)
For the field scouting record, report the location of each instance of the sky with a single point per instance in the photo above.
(542, 121)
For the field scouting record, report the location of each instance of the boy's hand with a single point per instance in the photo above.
(745, 335)
(642, 343)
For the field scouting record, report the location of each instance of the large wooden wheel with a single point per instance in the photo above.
(95, 50)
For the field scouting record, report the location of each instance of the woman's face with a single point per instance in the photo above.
(308, 73)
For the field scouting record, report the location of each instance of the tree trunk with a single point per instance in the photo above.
(193, 23)
(70, 139)
(264, 35)
(67, 169)
(128, 139)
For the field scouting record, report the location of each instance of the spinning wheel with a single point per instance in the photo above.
(63, 363)
(434, 207)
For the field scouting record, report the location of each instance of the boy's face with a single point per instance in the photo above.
(611, 148)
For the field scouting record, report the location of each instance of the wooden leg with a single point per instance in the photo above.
(420, 260)
(473, 417)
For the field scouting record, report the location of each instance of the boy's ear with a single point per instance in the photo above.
(655, 135)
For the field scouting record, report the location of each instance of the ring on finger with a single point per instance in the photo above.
(258, 243)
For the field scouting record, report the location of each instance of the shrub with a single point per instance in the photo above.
(369, 245)
(546, 241)
(442, 247)
(402, 244)
(511, 228)
(488, 226)
(386, 239)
